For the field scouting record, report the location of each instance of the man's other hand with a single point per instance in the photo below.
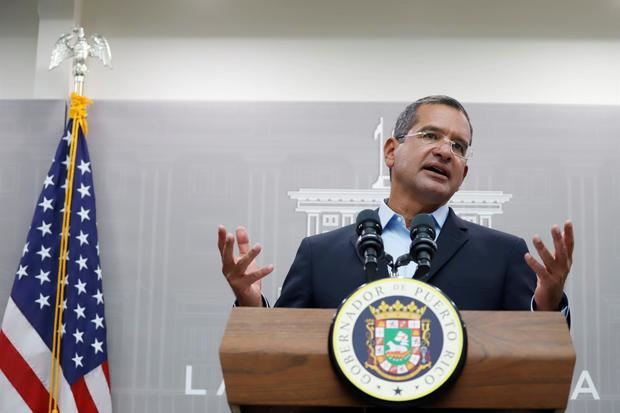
(553, 271)
(241, 271)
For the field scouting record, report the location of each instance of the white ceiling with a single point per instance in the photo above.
(554, 19)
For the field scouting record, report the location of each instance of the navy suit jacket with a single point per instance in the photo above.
(479, 268)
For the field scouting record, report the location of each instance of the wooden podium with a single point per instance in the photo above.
(278, 358)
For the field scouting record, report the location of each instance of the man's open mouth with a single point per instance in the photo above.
(438, 169)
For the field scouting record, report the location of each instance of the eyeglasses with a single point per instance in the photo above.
(457, 146)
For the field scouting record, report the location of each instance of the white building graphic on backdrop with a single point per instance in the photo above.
(327, 209)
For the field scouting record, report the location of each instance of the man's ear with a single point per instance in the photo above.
(389, 147)
(465, 170)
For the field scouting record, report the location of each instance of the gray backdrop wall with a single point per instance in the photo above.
(166, 174)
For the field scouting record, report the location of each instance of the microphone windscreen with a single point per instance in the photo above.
(423, 219)
(424, 222)
(367, 217)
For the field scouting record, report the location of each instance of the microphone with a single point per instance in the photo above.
(423, 244)
(369, 243)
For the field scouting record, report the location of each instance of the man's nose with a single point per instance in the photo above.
(443, 148)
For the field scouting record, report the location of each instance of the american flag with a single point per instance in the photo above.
(27, 327)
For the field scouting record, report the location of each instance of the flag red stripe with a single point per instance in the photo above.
(21, 376)
(106, 372)
(83, 399)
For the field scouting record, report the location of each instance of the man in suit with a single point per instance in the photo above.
(477, 267)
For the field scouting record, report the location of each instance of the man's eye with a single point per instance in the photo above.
(459, 147)
(431, 136)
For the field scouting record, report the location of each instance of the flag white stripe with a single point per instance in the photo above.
(10, 401)
(66, 402)
(35, 352)
(27, 342)
(99, 391)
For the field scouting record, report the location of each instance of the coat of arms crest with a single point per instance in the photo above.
(398, 340)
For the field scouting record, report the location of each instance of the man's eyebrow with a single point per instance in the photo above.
(432, 129)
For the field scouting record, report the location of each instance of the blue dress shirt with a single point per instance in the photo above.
(396, 239)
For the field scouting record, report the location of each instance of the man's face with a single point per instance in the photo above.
(430, 173)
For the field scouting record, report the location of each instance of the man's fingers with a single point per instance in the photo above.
(259, 274)
(569, 238)
(245, 260)
(544, 253)
(243, 240)
(558, 243)
(554, 268)
(221, 238)
(536, 266)
(228, 260)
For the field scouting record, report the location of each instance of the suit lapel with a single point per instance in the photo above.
(451, 238)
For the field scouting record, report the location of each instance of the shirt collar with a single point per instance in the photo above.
(386, 214)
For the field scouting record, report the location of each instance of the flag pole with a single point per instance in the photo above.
(75, 46)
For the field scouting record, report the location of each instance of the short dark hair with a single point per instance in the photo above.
(407, 117)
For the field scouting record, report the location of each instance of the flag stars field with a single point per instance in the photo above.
(98, 297)
(84, 190)
(46, 204)
(77, 359)
(45, 228)
(84, 167)
(66, 162)
(43, 301)
(49, 180)
(78, 336)
(44, 253)
(98, 321)
(79, 311)
(21, 272)
(83, 238)
(43, 276)
(81, 287)
(84, 214)
(82, 263)
(97, 346)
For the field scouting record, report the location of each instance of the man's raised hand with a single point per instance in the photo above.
(553, 271)
(241, 271)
